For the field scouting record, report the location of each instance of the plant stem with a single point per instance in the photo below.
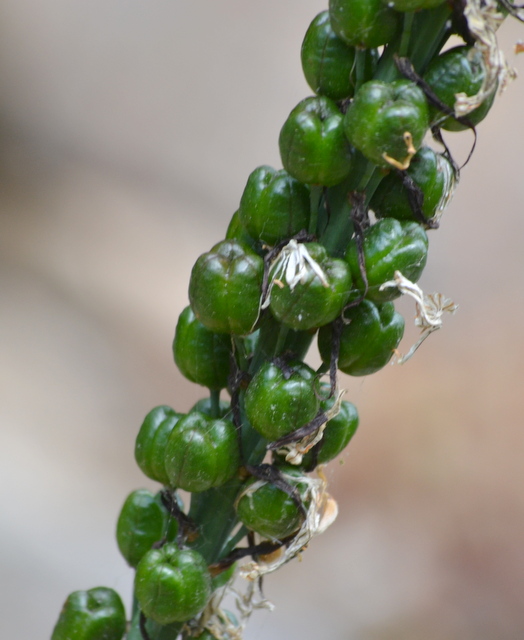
(315, 197)
(361, 63)
(281, 340)
(215, 403)
(406, 33)
(214, 512)
(430, 30)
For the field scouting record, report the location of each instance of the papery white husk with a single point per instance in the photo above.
(484, 18)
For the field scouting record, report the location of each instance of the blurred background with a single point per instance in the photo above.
(127, 132)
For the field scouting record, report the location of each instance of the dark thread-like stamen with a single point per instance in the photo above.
(253, 550)
(187, 529)
(272, 475)
(300, 433)
(282, 362)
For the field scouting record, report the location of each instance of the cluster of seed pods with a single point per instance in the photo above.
(317, 250)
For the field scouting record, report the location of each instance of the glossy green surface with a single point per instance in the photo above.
(431, 172)
(171, 584)
(202, 356)
(278, 402)
(388, 246)
(312, 143)
(363, 23)
(368, 340)
(311, 304)
(412, 5)
(151, 442)
(458, 70)
(225, 288)
(274, 205)
(140, 524)
(201, 453)
(328, 62)
(269, 511)
(97, 614)
(337, 433)
(380, 116)
(143, 520)
(237, 231)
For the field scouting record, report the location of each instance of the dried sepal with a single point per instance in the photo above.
(484, 18)
(295, 451)
(321, 513)
(429, 309)
(292, 264)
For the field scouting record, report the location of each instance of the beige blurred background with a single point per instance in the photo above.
(127, 132)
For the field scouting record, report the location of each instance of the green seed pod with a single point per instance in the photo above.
(363, 23)
(314, 300)
(368, 341)
(171, 584)
(274, 206)
(225, 288)
(279, 400)
(201, 355)
(269, 511)
(237, 231)
(389, 246)
(201, 453)
(143, 520)
(312, 143)
(152, 440)
(458, 70)
(327, 61)
(412, 5)
(380, 117)
(97, 614)
(434, 176)
(337, 432)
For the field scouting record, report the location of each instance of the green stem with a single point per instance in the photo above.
(214, 512)
(429, 31)
(275, 339)
(339, 228)
(281, 340)
(372, 183)
(315, 198)
(361, 67)
(155, 630)
(215, 403)
(365, 178)
(406, 33)
(134, 631)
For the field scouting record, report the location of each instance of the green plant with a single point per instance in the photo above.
(255, 309)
